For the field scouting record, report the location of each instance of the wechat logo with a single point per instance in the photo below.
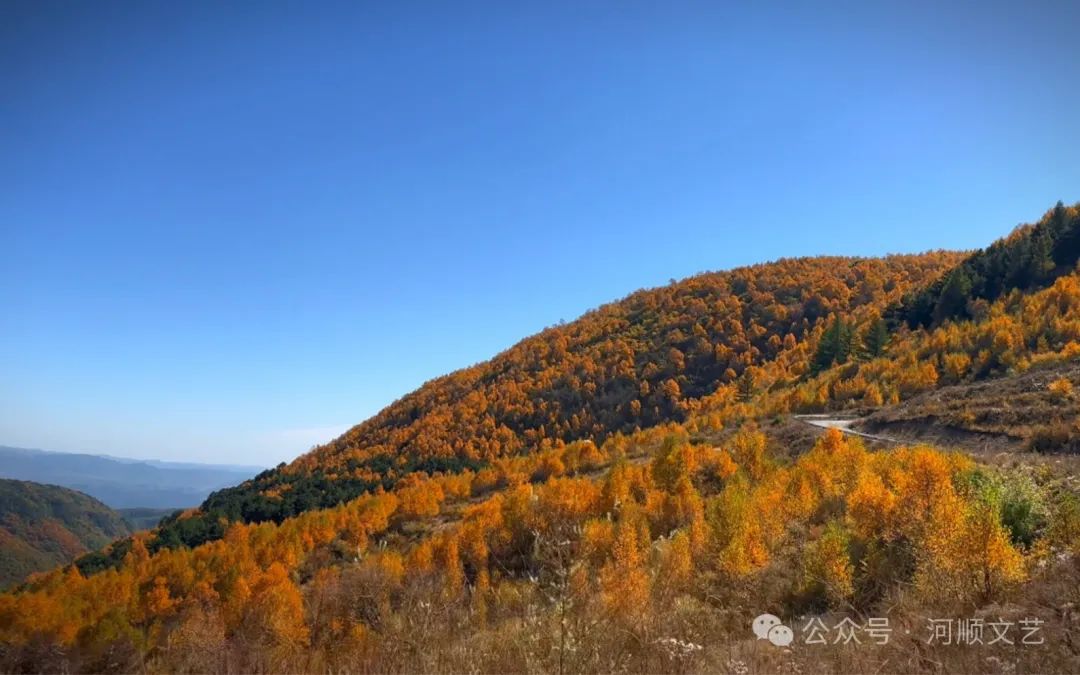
(769, 627)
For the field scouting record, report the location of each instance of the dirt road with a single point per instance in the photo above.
(844, 425)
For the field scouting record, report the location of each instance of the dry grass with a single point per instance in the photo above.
(998, 415)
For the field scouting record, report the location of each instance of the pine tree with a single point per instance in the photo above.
(827, 348)
(851, 342)
(837, 345)
(1067, 244)
(875, 339)
(746, 386)
(1042, 260)
(954, 296)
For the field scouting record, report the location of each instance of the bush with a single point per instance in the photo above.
(1064, 530)
(1021, 504)
(828, 574)
(1022, 516)
(1061, 438)
(1062, 389)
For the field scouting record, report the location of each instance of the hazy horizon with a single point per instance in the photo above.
(129, 460)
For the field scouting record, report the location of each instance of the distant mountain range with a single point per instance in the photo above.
(123, 483)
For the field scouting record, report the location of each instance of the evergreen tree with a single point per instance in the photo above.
(746, 386)
(851, 342)
(1067, 248)
(1067, 243)
(1031, 258)
(954, 296)
(876, 338)
(1042, 260)
(825, 354)
(837, 345)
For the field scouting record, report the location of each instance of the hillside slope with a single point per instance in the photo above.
(635, 363)
(42, 526)
(662, 355)
(657, 356)
(1006, 414)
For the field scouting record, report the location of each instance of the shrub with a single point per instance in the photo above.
(828, 575)
(1022, 510)
(1061, 437)
(1061, 388)
(1020, 502)
(1064, 530)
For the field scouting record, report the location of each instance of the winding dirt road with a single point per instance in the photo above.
(844, 425)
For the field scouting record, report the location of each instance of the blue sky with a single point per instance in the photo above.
(230, 231)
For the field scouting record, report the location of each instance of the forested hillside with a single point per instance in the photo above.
(626, 492)
(656, 355)
(644, 360)
(42, 526)
(1030, 258)
(660, 354)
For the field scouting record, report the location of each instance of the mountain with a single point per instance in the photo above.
(627, 492)
(122, 483)
(42, 526)
(659, 355)
(642, 361)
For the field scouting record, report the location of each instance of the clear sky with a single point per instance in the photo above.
(231, 230)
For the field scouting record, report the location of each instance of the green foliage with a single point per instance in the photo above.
(838, 344)
(1031, 258)
(1064, 529)
(875, 338)
(1019, 501)
(670, 462)
(306, 492)
(108, 558)
(952, 303)
(828, 573)
(143, 519)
